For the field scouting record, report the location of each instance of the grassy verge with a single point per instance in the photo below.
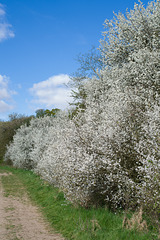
(73, 222)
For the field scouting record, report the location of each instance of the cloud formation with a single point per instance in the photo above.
(5, 28)
(52, 93)
(5, 95)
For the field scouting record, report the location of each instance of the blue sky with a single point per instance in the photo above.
(39, 41)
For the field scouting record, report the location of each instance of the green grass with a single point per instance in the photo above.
(74, 223)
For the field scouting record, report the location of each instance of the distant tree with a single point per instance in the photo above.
(40, 113)
(52, 112)
(90, 65)
(13, 116)
(46, 112)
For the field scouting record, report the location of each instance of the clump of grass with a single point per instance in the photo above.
(136, 222)
(74, 223)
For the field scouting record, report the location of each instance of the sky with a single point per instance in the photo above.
(39, 43)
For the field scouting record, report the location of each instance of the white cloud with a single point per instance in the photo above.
(5, 28)
(52, 93)
(5, 107)
(5, 95)
(2, 12)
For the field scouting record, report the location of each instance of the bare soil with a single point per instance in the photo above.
(21, 220)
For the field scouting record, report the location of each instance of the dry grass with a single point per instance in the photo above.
(135, 222)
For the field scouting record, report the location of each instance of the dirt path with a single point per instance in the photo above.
(20, 220)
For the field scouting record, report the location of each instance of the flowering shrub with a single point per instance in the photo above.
(7, 130)
(149, 149)
(108, 153)
(29, 142)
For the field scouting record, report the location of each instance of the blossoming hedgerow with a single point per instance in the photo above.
(109, 153)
